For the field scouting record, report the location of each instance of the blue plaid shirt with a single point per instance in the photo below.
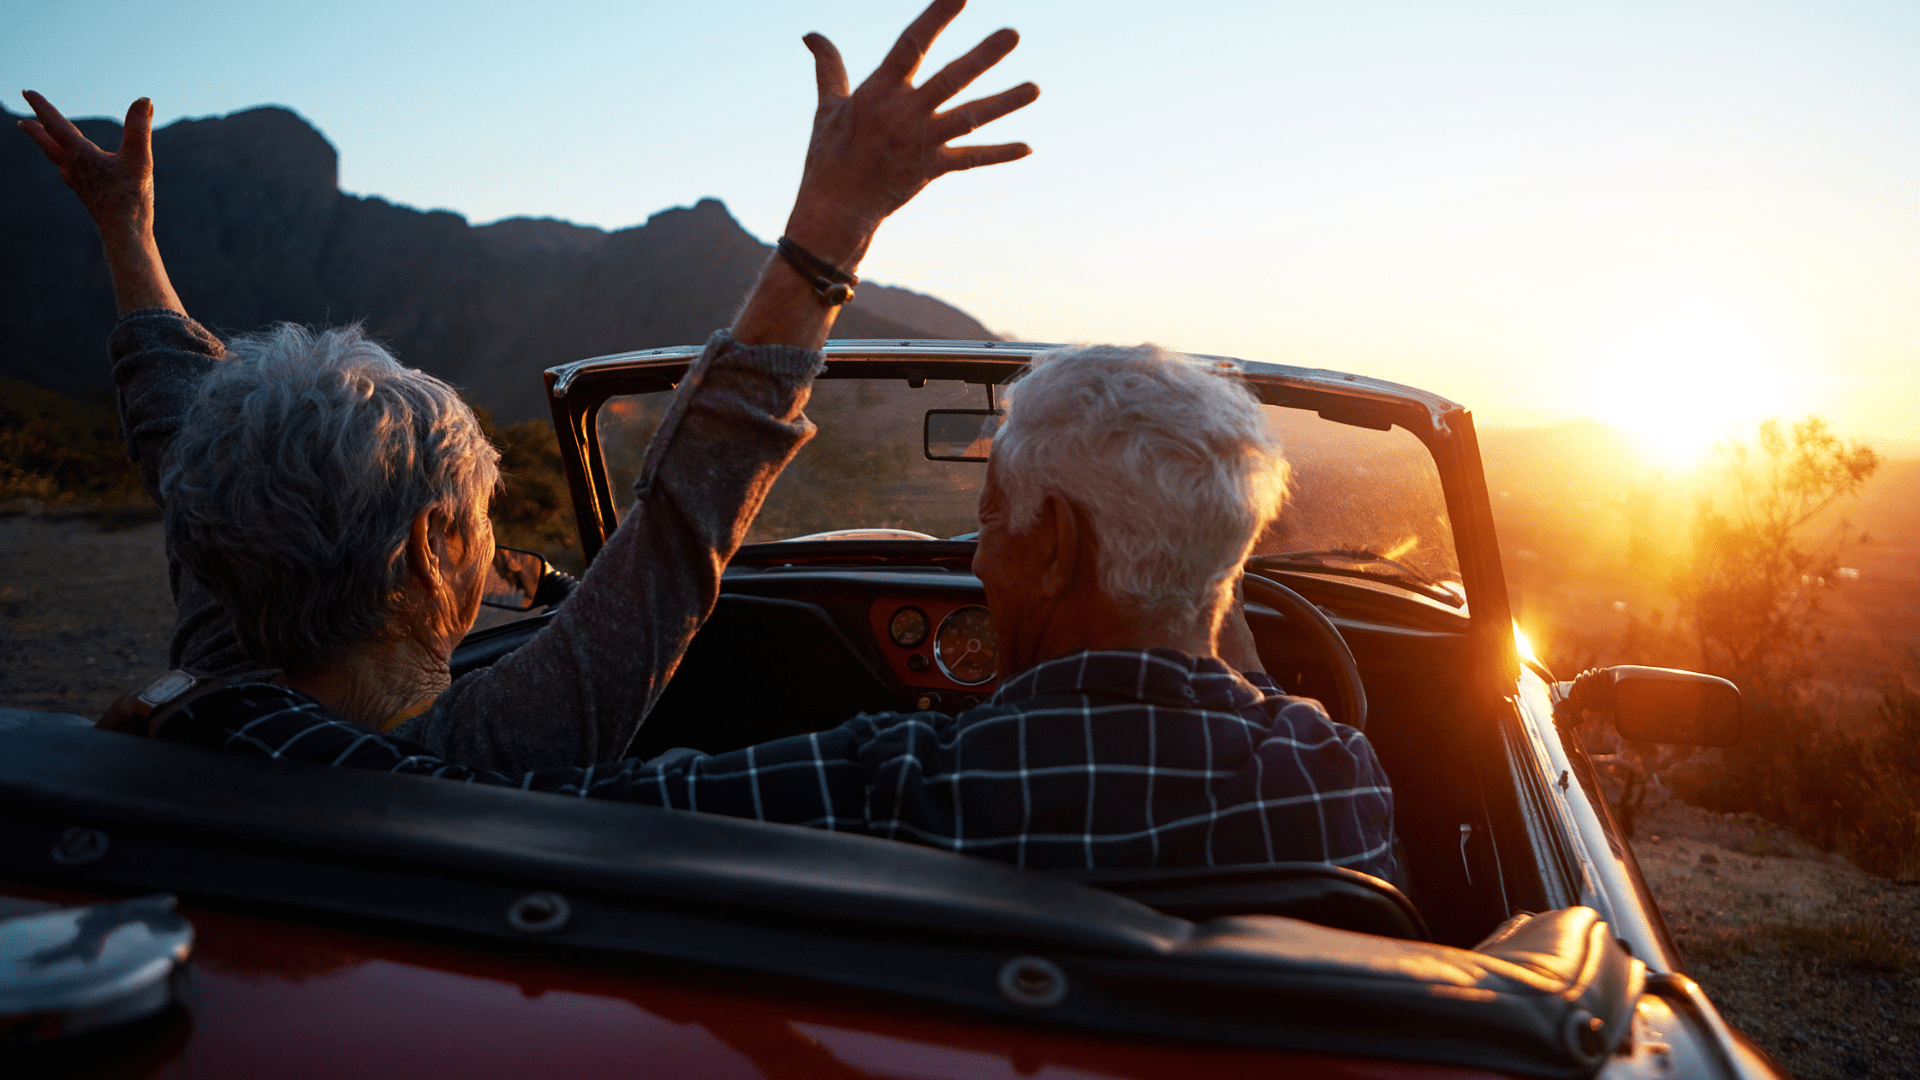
(1098, 759)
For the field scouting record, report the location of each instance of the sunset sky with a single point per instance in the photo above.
(1669, 216)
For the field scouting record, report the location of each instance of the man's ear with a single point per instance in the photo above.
(1060, 526)
(423, 561)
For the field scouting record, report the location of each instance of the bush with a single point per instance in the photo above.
(534, 508)
(1847, 783)
(1753, 582)
(1746, 600)
(61, 452)
(1871, 944)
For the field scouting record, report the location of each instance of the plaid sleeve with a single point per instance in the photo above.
(1324, 789)
(1353, 804)
(806, 780)
(812, 779)
(274, 722)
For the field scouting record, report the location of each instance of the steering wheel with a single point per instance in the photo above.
(1351, 709)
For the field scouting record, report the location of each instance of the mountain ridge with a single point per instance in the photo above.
(256, 230)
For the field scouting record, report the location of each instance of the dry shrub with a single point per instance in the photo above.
(534, 508)
(1870, 944)
(59, 452)
(1746, 597)
(1849, 786)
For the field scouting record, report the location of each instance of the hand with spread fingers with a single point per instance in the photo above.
(117, 190)
(872, 151)
(874, 148)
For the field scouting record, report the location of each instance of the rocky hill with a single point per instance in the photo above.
(255, 230)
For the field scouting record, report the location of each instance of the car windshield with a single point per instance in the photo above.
(1362, 503)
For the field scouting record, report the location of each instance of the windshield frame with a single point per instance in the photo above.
(575, 391)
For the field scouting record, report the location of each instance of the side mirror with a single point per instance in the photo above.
(523, 580)
(960, 434)
(1661, 705)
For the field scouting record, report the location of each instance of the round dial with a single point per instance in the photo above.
(965, 647)
(908, 627)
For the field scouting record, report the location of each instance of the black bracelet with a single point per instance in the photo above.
(834, 285)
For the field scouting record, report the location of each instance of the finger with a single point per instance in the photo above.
(974, 115)
(58, 127)
(904, 58)
(972, 157)
(136, 137)
(956, 76)
(54, 151)
(828, 69)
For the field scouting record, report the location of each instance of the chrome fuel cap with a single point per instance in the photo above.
(70, 970)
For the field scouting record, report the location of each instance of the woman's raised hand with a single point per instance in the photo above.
(116, 188)
(874, 148)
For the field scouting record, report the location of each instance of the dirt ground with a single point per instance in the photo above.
(1814, 959)
(1817, 961)
(84, 612)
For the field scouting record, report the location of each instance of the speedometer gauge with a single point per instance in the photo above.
(965, 647)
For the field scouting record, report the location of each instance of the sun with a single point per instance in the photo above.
(1680, 383)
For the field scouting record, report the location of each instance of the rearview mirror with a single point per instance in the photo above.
(1662, 705)
(513, 581)
(960, 434)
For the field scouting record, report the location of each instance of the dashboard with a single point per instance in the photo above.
(802, 646)
(797, 648)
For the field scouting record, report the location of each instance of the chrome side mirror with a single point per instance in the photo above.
(523, 580)
(960, 434)
(1661, 705)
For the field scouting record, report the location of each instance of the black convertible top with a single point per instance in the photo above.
(1548, 995)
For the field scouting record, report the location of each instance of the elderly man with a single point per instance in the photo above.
(326, 508)
(1124, 490)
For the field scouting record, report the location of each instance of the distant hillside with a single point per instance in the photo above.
(255, 230)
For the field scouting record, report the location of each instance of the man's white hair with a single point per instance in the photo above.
(295, 480)
(1169, 456)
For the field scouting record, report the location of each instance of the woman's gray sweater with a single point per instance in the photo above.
(576, 693)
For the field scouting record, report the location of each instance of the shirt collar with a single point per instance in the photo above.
(1165, 677)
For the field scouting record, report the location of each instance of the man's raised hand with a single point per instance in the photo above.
(116, 188)
(874, 148)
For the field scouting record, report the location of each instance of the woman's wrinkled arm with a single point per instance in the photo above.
(159, 355)
(576, 692)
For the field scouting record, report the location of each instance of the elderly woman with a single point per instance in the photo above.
(326, 508)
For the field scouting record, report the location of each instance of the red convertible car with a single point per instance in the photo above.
(171, 911)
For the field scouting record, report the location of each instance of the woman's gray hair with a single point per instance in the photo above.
(295, 480)
(1168, 455)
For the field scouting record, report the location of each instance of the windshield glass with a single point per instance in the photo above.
(863, 469)
(1358, 497)
(1359, 500)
